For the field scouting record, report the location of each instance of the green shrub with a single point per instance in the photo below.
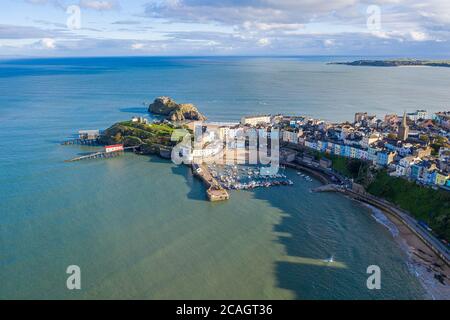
(424, 203)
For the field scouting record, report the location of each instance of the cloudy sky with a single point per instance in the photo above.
(410, 28)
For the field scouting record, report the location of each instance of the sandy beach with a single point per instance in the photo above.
(432, 272)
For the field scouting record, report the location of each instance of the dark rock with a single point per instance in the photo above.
(173, 111)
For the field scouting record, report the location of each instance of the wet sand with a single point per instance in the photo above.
(432, 271)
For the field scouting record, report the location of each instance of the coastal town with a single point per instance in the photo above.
(399, 164)
(414, 146)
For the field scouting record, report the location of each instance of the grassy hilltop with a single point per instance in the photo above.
(152, 138)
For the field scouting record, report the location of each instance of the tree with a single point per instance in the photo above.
(392, 136)
(424, 137)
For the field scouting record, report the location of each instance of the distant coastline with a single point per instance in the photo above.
(396, 63)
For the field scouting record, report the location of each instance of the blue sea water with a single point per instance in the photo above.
(139, 227)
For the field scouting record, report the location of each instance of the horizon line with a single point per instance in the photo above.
(216, 56)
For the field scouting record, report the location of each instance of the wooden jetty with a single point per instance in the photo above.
(84, 142)
(104, 154)
(97, 155)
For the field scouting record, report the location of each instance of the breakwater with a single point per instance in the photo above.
(215, 191)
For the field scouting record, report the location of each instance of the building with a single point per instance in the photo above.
(418, 115)
(88, 134)
(443, 119)
(390, 119)
(367, 140)
(360, 116)
(139, 120)
(362, 154)
(114, 148)
(423, 172)
(287, 155)
(403, 168)
(290, 136)
(223, 132)
(255, 120)
(385, 157)
(440, 178)
(403, 130)
(372, 154)
(322, 146)
(422, 152)
(311, 144)
(444, 154)
(325, 163)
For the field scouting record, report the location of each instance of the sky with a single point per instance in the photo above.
(406, 28)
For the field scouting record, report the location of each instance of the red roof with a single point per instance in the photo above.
(114, 146)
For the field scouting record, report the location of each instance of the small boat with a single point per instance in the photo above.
(330, 259)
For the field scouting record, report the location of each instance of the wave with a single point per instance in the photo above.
(381, 218)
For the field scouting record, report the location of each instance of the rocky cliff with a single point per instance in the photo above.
(175, 112)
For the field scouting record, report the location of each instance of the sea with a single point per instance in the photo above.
(139, 227)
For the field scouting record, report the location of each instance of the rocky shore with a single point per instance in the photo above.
(173, 111)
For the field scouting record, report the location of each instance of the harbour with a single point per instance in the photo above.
(142, 224)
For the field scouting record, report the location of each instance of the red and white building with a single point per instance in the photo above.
(114, 148)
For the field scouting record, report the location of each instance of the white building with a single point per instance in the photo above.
(418, 115)
(88, 134)
(369, 139)
(255, 120)
(311, 144)
(223, 132)
(403, 168)
(290, 136)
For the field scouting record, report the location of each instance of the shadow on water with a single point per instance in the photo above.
(142, 110)
(196, 189)
(305, 269)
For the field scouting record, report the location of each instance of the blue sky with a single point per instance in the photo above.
(410, 28)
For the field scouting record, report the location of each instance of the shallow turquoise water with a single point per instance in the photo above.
(140, 227)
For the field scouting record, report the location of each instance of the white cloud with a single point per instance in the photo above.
(48, 43)
(329, 42)
(408, 27)
(418, 36)
(137, 46)
(248, 25)
(263, 42)
(98, 4)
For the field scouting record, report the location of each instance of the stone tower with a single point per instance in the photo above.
(403, 131)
